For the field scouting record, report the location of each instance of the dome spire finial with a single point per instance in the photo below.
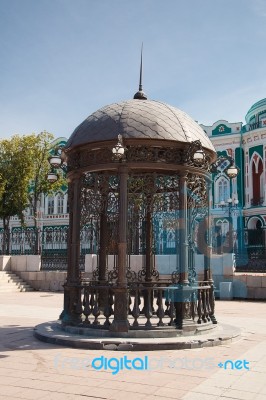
(140, 95)
(140, 73)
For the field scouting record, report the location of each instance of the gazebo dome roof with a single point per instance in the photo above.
(138, 119)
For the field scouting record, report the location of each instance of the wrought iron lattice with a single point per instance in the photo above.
(188, 157)
(23, 240)
(197, 192)
(153, 199)
(99, 211)
(99, 194)
(154, 154)
(54, 248)
(197, 209)
(89, 237)
(140, 153)
(19, 241)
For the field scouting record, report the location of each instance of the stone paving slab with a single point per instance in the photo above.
(30, 369)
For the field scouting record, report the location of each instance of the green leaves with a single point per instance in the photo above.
(23, 173)
(16, 172)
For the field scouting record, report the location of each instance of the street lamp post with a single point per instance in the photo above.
(57, 162)
(231, 170)
(232, 205)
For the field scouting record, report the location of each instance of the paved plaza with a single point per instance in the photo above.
(30, 369)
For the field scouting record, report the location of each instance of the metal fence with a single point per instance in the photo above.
(253, 259)
(50, 243)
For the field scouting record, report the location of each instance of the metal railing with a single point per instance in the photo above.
(149, 306)
(50, 243)
(255, 125)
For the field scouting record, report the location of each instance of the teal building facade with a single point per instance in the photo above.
(246, 144)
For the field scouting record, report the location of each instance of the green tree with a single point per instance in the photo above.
(24, 167)
(15, 171)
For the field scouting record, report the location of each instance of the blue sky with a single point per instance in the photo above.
(61, 60)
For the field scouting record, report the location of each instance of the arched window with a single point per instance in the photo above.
(222, 190)
(257, 180)
(60, 203)
(223, 226)
(50, 205)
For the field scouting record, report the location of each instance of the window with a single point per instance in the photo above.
(50, 205)
(60, 203)
(222, 190)
(30, 210)
(257, 181)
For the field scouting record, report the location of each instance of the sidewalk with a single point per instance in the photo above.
(30, 369)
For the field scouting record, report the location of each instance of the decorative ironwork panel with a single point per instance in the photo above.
(154, 154)
(99, 194)
(89, 237)
(20, 240)
(99, 211)
(153, 198)
(139, 153)
(100, 156)
(54, 248)
(197, 209)
(189, 159)
(197, 193)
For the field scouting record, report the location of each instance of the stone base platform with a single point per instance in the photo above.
(166, 331)
(99, 339)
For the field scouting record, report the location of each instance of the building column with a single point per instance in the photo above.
(56, 204)
(65, 203)
(230, 219)
(120, 322)
(208, 236)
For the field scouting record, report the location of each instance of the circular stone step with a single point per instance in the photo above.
(51, 332)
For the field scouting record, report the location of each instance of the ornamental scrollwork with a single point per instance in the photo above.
(73, 161)
(99, 194)
(197, 192)
(154, 154)
(190, 159)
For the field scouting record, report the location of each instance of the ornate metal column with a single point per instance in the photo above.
(103, 246)
(149, 243)
(120, 322)
(181, 296)
(103, 249)
(72, 296)
(183, 230)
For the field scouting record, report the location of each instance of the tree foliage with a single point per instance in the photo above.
(23, 174)
(42, 149)
(15, 171)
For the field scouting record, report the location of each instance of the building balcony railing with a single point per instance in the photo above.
(255, 125)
